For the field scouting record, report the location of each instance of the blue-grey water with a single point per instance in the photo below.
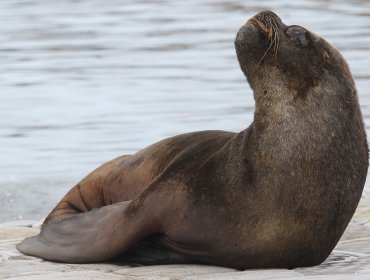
(84, 81)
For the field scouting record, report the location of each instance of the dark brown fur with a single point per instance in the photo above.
(278, 194)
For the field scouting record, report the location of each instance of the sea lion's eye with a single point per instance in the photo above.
(297, 33)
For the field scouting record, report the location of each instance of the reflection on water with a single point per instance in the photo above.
(84, 81)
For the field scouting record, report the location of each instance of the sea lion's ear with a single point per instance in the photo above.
(326, 56)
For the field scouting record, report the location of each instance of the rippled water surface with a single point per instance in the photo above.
(85, 81)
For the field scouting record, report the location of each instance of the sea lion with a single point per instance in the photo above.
(278, 194)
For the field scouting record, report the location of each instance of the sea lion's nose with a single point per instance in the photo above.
(265, 20)
(266, 15)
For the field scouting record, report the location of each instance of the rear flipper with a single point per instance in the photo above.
(93, 236)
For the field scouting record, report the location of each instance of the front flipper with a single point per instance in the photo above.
(93, 236)
(151, 251)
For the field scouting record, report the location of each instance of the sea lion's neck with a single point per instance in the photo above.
(289, 127)
(273, 109)
(286, 127)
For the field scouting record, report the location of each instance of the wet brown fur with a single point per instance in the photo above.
(278, 194)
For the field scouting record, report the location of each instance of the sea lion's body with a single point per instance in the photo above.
(278, 194)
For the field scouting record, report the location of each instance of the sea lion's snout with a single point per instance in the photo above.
(257, 39)
(266, 16)
(267, 21)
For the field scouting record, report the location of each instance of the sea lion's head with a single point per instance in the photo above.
(277, 58)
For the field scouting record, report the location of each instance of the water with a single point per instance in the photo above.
(85, 81)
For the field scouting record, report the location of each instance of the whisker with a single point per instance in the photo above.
(273, 35)
(272, 42)
(277, 39)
